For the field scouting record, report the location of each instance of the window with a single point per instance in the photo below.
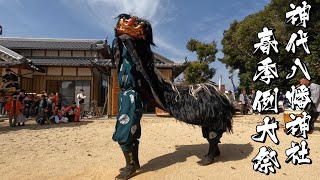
(67, 92)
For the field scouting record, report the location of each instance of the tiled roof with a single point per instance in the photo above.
(9, 63)
(61, 44)
(86, 62)
(62, 61)
(162, 59)
(177, 68)
(160, 65)
(103, 62)
(52, 44)
(65, 44)
(9, 55)
(10, 58)
(107, 62)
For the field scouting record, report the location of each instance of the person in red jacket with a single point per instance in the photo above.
(54, 98)
(9, 107)
(73, 112)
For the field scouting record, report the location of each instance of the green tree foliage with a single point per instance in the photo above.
(206, 52)
(239, 40)
(199, 71)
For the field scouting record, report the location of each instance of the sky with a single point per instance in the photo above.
(174, 22)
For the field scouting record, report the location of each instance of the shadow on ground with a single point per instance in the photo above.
(5, 128)
(229, 152)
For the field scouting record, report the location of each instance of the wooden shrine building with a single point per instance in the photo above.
(66, 66)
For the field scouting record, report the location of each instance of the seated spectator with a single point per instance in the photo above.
(58, 115)
(41, 104)
(42, 116)
(73, 112)
(54, 114)
(63, 117)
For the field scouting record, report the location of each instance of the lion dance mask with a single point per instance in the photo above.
(136, 27)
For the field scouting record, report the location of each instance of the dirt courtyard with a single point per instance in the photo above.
(168, 150)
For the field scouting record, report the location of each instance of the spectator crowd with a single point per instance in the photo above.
(19, 105)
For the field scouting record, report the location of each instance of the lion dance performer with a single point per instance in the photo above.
(140, 82)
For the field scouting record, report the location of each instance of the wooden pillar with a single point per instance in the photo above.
(109, 97)
(92, 86)
(115, 93)
(20, 78)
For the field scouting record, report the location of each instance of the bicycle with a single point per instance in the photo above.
(93, 110)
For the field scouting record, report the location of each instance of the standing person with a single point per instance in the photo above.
(139, 78)
(10, 80)
(13, 112)
(128, 128)
(22, 118)
(80, 98)
(244, 101)
(315, 98)
(73, 112)
(252, 96)
(54, 98)
(58, 100)
(231, 97)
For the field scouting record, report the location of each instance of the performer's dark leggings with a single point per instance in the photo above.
(213, 136)
(132, 139)
(134, 135)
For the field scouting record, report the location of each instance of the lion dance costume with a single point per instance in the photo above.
(141, 82)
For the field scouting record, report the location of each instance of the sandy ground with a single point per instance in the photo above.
(168, 150)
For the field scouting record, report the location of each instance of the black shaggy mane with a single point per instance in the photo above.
(208, 107)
